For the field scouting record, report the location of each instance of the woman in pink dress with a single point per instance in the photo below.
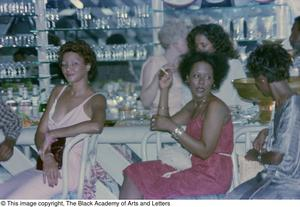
(72, 110)
(208, 137)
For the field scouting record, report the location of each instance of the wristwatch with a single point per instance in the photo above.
(259, 157)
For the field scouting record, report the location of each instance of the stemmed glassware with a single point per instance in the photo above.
(52, 17)
(268, 22)
(84, 16)
(120, 52)
(13, 70)
(140, 17)
(19, 40)
(16, 8)
(52, 53)
(238, 28)
(252, 28)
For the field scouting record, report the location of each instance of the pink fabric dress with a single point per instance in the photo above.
(205, 177)
(29, 184)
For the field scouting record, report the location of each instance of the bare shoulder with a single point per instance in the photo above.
(217, 106)
(98, 100)
(56, 90)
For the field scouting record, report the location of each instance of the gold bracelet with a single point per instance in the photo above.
(177, 133)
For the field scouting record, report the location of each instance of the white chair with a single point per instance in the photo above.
(243, 138)
(144, 143)
(88, 157)
(235, 170)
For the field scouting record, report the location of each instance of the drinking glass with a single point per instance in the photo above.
(252, 28)
(238, 28)
(268, 22)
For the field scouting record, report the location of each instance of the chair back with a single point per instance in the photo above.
(88, 158)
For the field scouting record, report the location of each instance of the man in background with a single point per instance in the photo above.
(294, 40)
(10, 124)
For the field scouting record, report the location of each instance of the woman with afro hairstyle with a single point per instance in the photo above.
(208, 137)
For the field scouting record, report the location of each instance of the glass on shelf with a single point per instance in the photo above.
(10, 101)
(246, 23)
(251, 23)
(84, 16)
(13, 70)
(19, 40)
(90, 18)
(238, 28)
(268, 23)
(102, 23)
(120, 52)
(225, 23)
(52, 17)
(52, 53)
(17, 8)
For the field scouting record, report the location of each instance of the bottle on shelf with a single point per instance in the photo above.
(11, 102)
(35, 99)
(20, 93)
(25, 105)
(43, 102)
(112, 112)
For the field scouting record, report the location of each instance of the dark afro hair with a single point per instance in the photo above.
(218, 62)
(270, 60)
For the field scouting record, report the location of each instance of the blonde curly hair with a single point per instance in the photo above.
(171, 31)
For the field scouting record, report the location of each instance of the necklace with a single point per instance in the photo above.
(200, 106)
(201, 102)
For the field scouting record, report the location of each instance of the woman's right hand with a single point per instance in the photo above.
(260, 140)
(51, 172)
(165, 75)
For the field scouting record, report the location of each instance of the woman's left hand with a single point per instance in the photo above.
(160, 123)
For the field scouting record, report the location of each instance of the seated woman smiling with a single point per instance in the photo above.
(72, 110)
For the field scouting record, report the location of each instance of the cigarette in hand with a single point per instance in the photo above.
(164, 71)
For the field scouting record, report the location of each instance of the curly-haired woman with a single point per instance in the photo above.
(72, 110)
(208, 137)
(212, 38)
